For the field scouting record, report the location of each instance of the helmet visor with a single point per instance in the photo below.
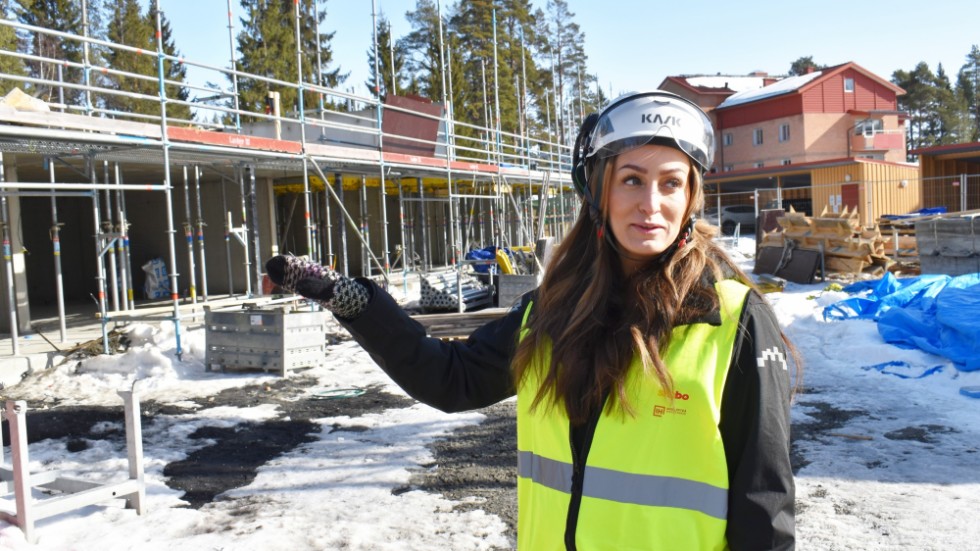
(638, 120)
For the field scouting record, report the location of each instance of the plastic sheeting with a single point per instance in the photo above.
(935, 313)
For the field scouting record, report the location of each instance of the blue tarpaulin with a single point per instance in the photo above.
(488, 253)
(935, 313)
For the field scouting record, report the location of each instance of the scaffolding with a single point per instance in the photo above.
(336, 182)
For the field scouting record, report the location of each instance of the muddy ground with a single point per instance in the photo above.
(475, 461)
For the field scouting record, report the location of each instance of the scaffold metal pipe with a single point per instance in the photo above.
(107, 229)
(244, 239)
(56, 257)
(122, 258)
(8, 262)
(200, 233)
(174, 284)
(83, 187)
(350, 220)
(99, 261)
(234, 72)
(228, 229)
(189, 237)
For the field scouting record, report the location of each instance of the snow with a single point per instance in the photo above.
(895, 466)
(732, 82)
(779, 87)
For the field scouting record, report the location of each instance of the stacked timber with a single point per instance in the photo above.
(898, 237)
(847, 247)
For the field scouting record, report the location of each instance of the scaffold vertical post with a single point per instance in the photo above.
(8, 262)
(200, 233)
(168, 184)
(59, 280)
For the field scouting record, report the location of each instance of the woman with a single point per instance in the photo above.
(652, 382)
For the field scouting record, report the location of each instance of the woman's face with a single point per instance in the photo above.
(648, 197)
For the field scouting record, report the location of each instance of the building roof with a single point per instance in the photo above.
(784, 86)
(970, 147)
(718, 84)
(798, 168)
(800, 83)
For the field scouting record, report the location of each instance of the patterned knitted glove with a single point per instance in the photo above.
(341, 295)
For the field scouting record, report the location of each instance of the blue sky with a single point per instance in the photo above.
(635, 44)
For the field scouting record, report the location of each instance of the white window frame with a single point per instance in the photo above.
(848, 85)
(869, 127)
(729, 168)
(757, 137)
(758, 164)
(727, 139)
(784, 133)
(787, 162)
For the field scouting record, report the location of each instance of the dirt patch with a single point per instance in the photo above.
(234, 458)
(826, 418)
(478, 461)
(922, 433)
(234, 455)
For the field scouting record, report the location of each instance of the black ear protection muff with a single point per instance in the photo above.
(582, 142)
(580, 176)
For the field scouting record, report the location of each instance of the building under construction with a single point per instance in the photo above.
(105, 213)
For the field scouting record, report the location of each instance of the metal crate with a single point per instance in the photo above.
(270, 340)
(512, 287)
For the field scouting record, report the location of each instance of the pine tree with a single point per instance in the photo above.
(131, 28)
(423, 49)
(565, 50)
(128, 26)
(390, 63)
(473, 26)
(9, 65)
(968, 85)
(919, 102)
(174, 71)
(804, 65)
(516, 21)
(58, 15)
(267, 48)
(951, 124)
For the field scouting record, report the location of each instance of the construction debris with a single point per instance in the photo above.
(841, 244)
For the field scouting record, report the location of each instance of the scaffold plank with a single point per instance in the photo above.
(232, 140)
(81, 122)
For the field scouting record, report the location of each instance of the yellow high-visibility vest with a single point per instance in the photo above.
(657, 480)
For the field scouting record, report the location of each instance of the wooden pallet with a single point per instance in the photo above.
(847, 247)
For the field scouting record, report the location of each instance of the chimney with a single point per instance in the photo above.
(810, 69)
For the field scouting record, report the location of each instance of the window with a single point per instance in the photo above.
(849, 85)
(757, 137)
(728, 139)
(729, 168)
(784, 132)
(758, 164)
(869, 127)
(787, 162)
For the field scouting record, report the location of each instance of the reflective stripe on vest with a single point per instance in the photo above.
(654, 480)
(622, 487)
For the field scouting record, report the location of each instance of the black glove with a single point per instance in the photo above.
(298, 274)
(343, 296)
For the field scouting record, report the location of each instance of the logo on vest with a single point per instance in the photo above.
(774, 357)
(660, 411)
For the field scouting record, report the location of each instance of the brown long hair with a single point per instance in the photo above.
(596, 318)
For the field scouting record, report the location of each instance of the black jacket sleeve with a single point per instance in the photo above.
(450, 376)
(755, 428)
